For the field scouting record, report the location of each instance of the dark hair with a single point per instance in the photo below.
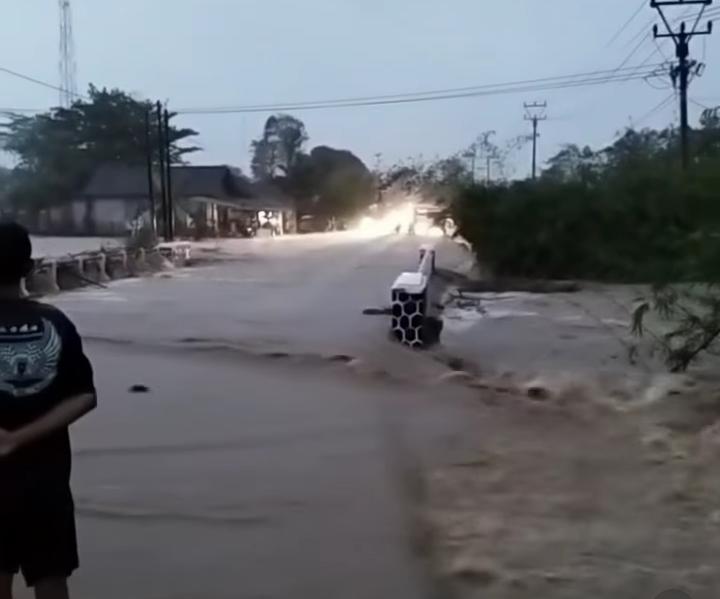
(15, 253)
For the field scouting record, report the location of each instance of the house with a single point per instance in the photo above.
(208, 201)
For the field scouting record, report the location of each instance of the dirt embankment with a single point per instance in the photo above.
(563, 490)
(585, 470)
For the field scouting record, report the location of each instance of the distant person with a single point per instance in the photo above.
(46, 384)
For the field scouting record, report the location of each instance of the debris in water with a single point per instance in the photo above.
(345, 359)
(377, 312)
(538, 393)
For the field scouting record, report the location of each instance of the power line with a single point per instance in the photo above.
(550, 83)
(699, 104)
(37, 81)
(627, 23)
(642, 32)
(661, 87)
(633, 52)
(668, 100)
(435, 92)
(659, 49)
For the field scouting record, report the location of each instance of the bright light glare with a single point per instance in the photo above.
(366, 223)
(401, 219)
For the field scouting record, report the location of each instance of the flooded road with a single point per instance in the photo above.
(237, 478)
(243, 473)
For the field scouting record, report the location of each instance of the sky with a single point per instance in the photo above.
(219, 53)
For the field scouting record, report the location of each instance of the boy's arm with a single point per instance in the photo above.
(58, 418)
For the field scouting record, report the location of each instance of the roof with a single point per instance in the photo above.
(218, 182)
(117, 180)
(271, 196)
(222, 183)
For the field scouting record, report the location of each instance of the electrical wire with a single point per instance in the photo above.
(643, 30)
(38, 81)
(301, 107)
(661, 88)
(472, 88)
(557, 82)
(697, 20)
(699, 104)
(655, 109)
(627, 23)
(544, 84)
(634, 51)
(660, 50)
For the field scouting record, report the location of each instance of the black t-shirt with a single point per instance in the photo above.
(41, 364)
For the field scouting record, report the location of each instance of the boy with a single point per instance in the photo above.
(46, 384)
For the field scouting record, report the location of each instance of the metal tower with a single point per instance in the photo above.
(68, 68)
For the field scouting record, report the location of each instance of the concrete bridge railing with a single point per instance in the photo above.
(414, 320)
(52, 275)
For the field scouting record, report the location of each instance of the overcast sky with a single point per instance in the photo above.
(210, 53)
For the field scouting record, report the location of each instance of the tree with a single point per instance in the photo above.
(328, 183)
(707, 138)
(277, 151)
(59, 150)
(338, 182)
(572, 163)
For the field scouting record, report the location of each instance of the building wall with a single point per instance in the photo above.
(107, 216)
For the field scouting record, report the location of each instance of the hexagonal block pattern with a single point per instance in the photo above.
(408, 318)
(410, 308)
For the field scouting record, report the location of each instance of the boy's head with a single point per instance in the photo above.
(15, 253)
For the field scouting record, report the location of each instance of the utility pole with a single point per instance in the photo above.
(162, 155)
(473, 161)
(472, 154)
(168, 177)
(150, 177)
(680, 74)
(535, 112)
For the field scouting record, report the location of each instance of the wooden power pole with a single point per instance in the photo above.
(535, 112)
(681, 72)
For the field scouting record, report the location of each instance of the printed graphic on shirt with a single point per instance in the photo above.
(29, 357)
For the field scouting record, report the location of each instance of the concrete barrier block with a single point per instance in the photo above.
(166, 252)
(427, 260)
(415, 322)
(137, 262)
(43, 279)
(158, 259)
(177, 253)
(94, 267)
(70, 274)
(116, 264)
(409, 307)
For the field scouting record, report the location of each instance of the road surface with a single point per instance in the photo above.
(295, 294)
(242, 474)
